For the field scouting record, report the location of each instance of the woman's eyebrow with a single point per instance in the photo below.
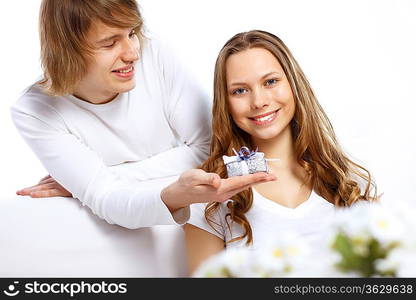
(270, 73)
(236, 83)
(261, 78)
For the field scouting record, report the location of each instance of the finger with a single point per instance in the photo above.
(234, 192)
(230, 194)
(238, 182)
(46, 193)
(45, 186)
(204, 178)
(39, 187)
(47, 180)
(216, 181)
(25, 191)
(272, 176)
(44, 178)
(205, 191)
(22, 193)
(28, 188)
(208, 193)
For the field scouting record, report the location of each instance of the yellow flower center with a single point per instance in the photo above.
(277, 253)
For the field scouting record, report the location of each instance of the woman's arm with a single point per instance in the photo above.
(200, 245)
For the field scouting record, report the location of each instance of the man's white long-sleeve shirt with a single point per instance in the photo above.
(117, 157)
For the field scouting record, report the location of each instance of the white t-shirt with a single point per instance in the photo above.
(117, 157)
(268, 220)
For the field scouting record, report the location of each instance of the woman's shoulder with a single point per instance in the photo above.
(213, 222)
(220, 210)
(318, 199)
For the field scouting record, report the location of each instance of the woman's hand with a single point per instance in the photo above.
(197, 186)
(47, 187)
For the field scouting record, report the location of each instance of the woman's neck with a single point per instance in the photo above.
(281, 147)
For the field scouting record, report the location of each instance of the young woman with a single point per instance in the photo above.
(262, 99)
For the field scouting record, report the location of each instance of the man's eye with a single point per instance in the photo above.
(132, 33)
(239, 91)
(271, 81)
(110, 45)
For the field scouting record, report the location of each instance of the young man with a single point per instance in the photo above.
(115, 119)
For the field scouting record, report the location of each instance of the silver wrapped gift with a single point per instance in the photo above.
(245, 162)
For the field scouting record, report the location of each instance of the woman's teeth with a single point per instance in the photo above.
(265, 118)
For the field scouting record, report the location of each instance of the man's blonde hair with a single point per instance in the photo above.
(63, 29)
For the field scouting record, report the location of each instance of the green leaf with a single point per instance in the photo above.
(364, 264)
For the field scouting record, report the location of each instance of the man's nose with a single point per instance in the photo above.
(130, 51)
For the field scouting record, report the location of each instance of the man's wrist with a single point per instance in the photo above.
(168, 197)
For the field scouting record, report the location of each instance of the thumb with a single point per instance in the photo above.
(212, 179)
(215, 180)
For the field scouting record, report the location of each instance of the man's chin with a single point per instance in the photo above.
(126, 87)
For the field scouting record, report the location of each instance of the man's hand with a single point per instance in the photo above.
(47, 187)
(197, 186)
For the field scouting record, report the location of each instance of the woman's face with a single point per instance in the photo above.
(260, 98)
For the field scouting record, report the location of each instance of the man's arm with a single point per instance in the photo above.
(82, 172)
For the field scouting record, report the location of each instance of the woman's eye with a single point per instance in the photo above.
(271, 81)
(239, 91)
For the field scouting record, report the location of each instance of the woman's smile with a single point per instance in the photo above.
(265, 119)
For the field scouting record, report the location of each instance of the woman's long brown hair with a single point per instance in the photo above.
(335, 177)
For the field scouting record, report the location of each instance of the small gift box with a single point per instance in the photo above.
(245, 162)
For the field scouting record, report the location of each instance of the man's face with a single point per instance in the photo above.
(111, 68)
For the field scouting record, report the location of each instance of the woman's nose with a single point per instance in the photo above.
(260, 99)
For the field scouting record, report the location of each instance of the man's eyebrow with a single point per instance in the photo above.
(106, 39)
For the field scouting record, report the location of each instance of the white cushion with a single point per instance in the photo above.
(58, 237)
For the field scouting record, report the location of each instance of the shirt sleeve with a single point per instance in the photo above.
(82, 172)
(165, 164)
(197, 219)
(187, 107)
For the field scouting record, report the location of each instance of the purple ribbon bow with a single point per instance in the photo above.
(245, 153)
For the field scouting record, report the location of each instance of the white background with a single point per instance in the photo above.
(358, 55)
